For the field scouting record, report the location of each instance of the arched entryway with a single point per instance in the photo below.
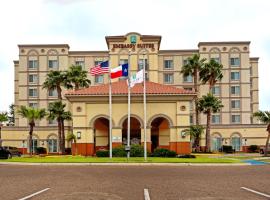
(160, 133)
(52, 143)
(101, 133)
(236, 141)
(35, 143)
(135, 131)
(216, 142)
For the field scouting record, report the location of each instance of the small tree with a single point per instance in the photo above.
(195, 132)
(72, 139)
(32, 114)
(264, 116)
(209, 104)
(11, 115)
(3, 118)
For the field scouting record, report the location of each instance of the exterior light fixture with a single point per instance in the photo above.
(79, 135)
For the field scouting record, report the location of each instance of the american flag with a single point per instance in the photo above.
(101, 68)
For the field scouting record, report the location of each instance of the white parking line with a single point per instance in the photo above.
(256, 192)
(146, 194)
(34, 194)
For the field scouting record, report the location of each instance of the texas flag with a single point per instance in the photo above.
(119, 71)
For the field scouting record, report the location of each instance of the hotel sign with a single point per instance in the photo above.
(131, 46)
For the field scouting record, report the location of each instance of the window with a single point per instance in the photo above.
(52, 122)
(80, 63)
(140, 65)
(97, 62)
(53, 64)
(191, 105)
(235, 90)
(185, 62)
(32, 78)
(216, 59)
(168, 78)
(191, 121)
(235, 76)
(52, 145)
(99, 79)
(32, 92)
(236, 142)
(235, 118)
(188, 79)
(235, 62)
(235, 104)
(53, 93)
(32, 64)
(215, 119)
(123, 61)
(168, 64)
(216, 90)
(33, 105)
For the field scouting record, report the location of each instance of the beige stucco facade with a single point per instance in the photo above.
(238, 90)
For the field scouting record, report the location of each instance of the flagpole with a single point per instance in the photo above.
(110, 106)
(144, 109)
(128, 131)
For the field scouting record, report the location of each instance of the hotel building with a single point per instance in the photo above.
(170, 95)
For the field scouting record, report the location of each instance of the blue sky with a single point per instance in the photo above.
(83, 24)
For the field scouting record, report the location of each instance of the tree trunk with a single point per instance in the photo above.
(59, 136)
(196, 97)
(31, 124)
(59, 93)
(77, 86)
(267, 141)
(207, 138)
(63, 136)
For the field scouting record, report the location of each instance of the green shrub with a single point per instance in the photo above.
(102, 153)
(227, 149)
(186, 156)
(41, 150)
(160, 152)
(253, 148)
(119, 152)
(136, 150)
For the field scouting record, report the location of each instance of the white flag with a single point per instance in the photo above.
(136, 78)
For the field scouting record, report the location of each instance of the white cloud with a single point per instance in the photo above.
(83, 25)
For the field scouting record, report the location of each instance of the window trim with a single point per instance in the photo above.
(169, 74)
(171, 65)
(32, 89)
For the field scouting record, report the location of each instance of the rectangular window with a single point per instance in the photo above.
(235, 118)
(33, 105)
(32, 78)
(97, 62)
(215, 119)
(52, 122)
(217, 59)
(191, 121)
(123, 61)
(185, 62)
(168, 78)
(140, 64)
(235, 104)
(168, 64)
(235, 76)
(80, 63)
(53, 64)
(32, 92)
(188, 79)
(235, 90)
(99, 79)
(235, 62)
(216, 90)
(52, 93)
(32, 64)
(191, 106)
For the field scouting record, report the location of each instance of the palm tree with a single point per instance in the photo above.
(57, 111)
(211, 72)
(193, 67)
(195, 133)
(32, 114)
(77, 77)
(72, 138)
(264, 116)
(209, 104)
(54, 80)
(3, 118)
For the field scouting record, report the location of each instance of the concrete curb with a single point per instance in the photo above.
(126, 164)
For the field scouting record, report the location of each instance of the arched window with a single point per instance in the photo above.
(52, 144)
(216, 143)
(236, 141)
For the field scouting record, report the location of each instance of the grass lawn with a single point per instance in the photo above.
(82, 159)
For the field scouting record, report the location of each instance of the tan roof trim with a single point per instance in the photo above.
(88, 52)
(254, 58)
(223, 43)
(15, 61)
(179, 50)
(44, 45)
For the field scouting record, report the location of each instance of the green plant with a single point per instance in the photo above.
(136, 150)
(41, 150)
(160, 152)
(253, 148)
(119, 151)
(186, 156)
(102, 153)
(227, 149)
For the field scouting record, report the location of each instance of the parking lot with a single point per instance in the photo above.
(134, 182)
